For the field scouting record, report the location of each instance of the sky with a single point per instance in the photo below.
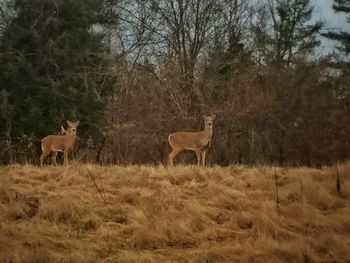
(333, 21)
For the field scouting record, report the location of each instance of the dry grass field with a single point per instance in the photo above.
(87, 213)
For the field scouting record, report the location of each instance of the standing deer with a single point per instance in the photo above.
(194, 141)
(59, 143)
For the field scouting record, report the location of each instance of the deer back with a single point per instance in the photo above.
(188, 140)
(58, 142)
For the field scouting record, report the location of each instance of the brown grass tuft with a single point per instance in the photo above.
(89, 213)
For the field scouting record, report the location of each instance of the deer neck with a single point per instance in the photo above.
(71, 137)
(208, 131)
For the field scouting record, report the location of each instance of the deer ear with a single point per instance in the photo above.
(204, 116)
(77, 123)
(213, 116)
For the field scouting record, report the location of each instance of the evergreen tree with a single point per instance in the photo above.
(52, 65)
(290, 33)
(343, 37)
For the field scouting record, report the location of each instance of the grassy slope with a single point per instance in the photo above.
(186, 214)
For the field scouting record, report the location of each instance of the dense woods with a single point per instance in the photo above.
(134, 71)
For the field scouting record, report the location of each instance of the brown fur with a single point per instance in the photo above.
(59, 143)
(193, 141)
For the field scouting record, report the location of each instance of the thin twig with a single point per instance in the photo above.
(100, 190)
(338, 187)
(301, 188)
(277, 199)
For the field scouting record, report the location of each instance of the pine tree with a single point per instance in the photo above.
(343, 37)
(52, 56)
(289, 34)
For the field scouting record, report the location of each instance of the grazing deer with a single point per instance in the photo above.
(194, 141)
(59, 143)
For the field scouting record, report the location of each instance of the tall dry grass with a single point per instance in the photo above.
(87, 213)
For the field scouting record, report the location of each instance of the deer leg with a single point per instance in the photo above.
(54, 156)
(203, 157)
(198, 153)
(65, 153)
(43, 155)
(171, 156)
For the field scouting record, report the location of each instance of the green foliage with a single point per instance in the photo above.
(342, 37)
(51, 63)
(290, 34)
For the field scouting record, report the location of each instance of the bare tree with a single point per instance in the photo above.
(180, 32)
